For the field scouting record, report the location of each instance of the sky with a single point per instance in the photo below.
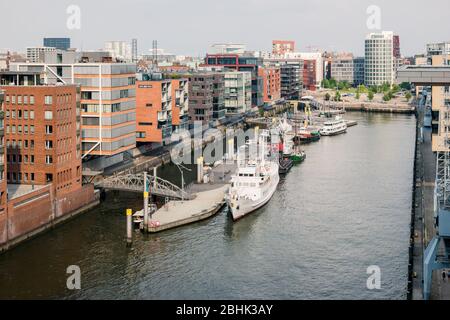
(189, 27)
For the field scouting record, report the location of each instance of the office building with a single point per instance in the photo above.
(342, 68)
(358, 71)
(396, 46)
(37, 54)
(281, 47)
(379, 59)
(437, 49)
(58, 43)
(43, 156)
(180, 104)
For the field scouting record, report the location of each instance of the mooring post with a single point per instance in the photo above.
(145, 202)
(200, 170)
(129, 227)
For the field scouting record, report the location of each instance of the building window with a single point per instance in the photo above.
(31, 129)
(49, 177)
(48, 100)
(31, 114)
(48, 129)
(48, 115)
(48, 159)
(31, 99)
(48, 144)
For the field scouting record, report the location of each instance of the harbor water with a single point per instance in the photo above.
(347, 207)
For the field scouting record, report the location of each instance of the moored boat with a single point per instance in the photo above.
(334, 127)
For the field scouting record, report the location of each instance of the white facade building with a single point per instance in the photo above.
(37, 54)
(379, 58)
(238, 92)
(119, 50)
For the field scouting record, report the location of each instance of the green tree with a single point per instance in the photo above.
(327, 97)
(370, 95)
(405, 86)
(357, 94)
(408, 96)
(326, 83)
(261, 112)
(337, 97)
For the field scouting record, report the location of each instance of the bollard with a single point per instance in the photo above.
(129, 227)
(200, 170)
(145, 202)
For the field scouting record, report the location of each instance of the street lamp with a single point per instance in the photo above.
(180, 168)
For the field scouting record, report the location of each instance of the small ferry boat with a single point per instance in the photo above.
(334, 127)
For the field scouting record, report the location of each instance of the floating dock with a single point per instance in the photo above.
(178, 213)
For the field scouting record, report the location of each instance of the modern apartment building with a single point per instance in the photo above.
(108, 108)
(437, 49)
(37, 54)
(379, 58)
(154, 108)
(206, 98)
(309, 75)
(281, 47)
(291, 80)
(58, 43)
(271, 76)
(342, 68)
(241, 63)
(180, 104)
(238, 92)
(358, 71)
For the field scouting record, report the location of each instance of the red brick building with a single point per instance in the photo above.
(280, 47)
(271, 83)
(309, 74)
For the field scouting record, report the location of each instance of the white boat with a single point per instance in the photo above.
(334, 127)
(253, 184)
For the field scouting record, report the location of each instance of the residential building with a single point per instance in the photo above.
(108, 107)
(291, 80)
(309, 75)
(120, 50)
(227, 48)
(313, 68)
(439, 49)
(37, 54)
(342, 68)
(206, 98)
(379, 59)
(238, 92)
(358, 71)
(153, 109)
(180, 104)
(281, 47)
(58, 43)
(241, 63)
(271, 76)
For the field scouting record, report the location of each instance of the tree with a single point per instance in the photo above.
(357, 94)
(405, 86)
(408, 96)
(261, 112)
(395, 88)
(327, 97)
(337, 97)
(326, 83)
(370, 95)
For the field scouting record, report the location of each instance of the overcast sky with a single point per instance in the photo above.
(190, 26)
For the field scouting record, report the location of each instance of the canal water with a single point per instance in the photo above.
(347, 207)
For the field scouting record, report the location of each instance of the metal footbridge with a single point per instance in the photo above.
(134, 182)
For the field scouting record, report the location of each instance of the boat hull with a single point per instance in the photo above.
(245, 207)
(334, 133)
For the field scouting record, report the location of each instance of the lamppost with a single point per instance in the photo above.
(180, 168)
